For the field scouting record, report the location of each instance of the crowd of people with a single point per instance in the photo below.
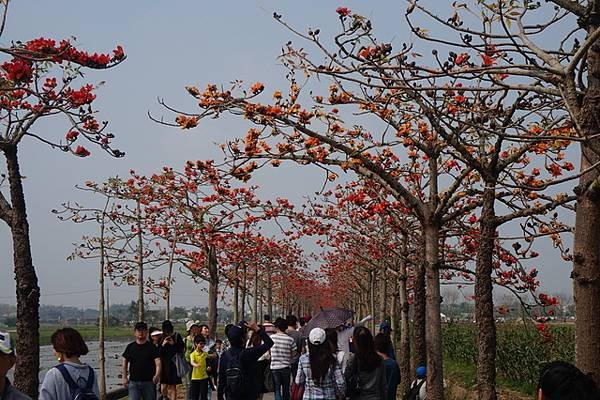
(254, 360)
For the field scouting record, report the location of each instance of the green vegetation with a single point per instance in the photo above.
(90, 332)
(520, 353)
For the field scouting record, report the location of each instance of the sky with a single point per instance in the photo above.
(169, 44)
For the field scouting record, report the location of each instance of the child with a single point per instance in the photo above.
(198, 358)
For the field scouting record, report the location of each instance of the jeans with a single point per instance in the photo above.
(139, 390)
(281, 382)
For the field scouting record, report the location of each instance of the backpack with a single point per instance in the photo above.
(413, 392)
(235, 385)
(78, 392)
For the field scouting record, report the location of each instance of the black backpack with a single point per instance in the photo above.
(79, 392)
(235, 386)
(413, 392)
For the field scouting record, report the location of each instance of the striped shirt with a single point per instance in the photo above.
(282, 351)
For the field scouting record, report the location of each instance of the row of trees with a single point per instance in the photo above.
(464, 141)
(463, 160)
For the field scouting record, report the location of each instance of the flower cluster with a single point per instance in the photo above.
(82, 96)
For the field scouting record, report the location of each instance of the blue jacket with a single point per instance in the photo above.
(248, 359)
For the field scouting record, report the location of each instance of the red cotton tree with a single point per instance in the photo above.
(199, 213)
(38, 82)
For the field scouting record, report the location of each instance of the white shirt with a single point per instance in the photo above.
(345, 335)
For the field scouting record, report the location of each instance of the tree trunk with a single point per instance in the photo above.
(383, 300)
(244, 290)
(255, 296)
(27, 290)
(586, 272)
(419, 343)
(101, 321)
(140, 257)
(484, 302)
(433, 335)
(213, 290)
(269, 293)
(261, 302)
(372, 286)
(405, 369)
(236, 294)
(169, 277)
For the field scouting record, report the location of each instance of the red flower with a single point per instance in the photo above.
(488, 61)
(71, 136)
(343, 11)
(568, 166)
(41, 45)
(460, 99)
(257, 88)
(82, 151)
(118, 53)
(461, 58)
(18, 70)
(81, 96)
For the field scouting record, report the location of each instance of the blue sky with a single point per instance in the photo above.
(169, 44)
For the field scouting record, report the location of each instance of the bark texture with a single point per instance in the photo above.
(586, 271)
(484, 302)
(213, 290)
(28, 293)
(433, 335)
(405, 369)
(419, 344)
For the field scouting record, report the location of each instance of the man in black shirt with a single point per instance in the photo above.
(247, 357)
(143, 360)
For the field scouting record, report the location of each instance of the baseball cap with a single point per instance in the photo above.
(5, 345)
(190, 323)
(421, 371)
(156, 333)
(317, 336)
(235, 334)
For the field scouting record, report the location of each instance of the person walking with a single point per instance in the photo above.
(64, 379)
(282, 354)
(345, 333)
(7, 361)
(340, 356)
(193, 329)
(365, 367)
(199, 360)
(269, 327)
(319, 374)
(141, 365)
(238, 364)
(262, 364)
(292, 331)
(386, 328)
(392, 369)
(208, 348)
(171, 344)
